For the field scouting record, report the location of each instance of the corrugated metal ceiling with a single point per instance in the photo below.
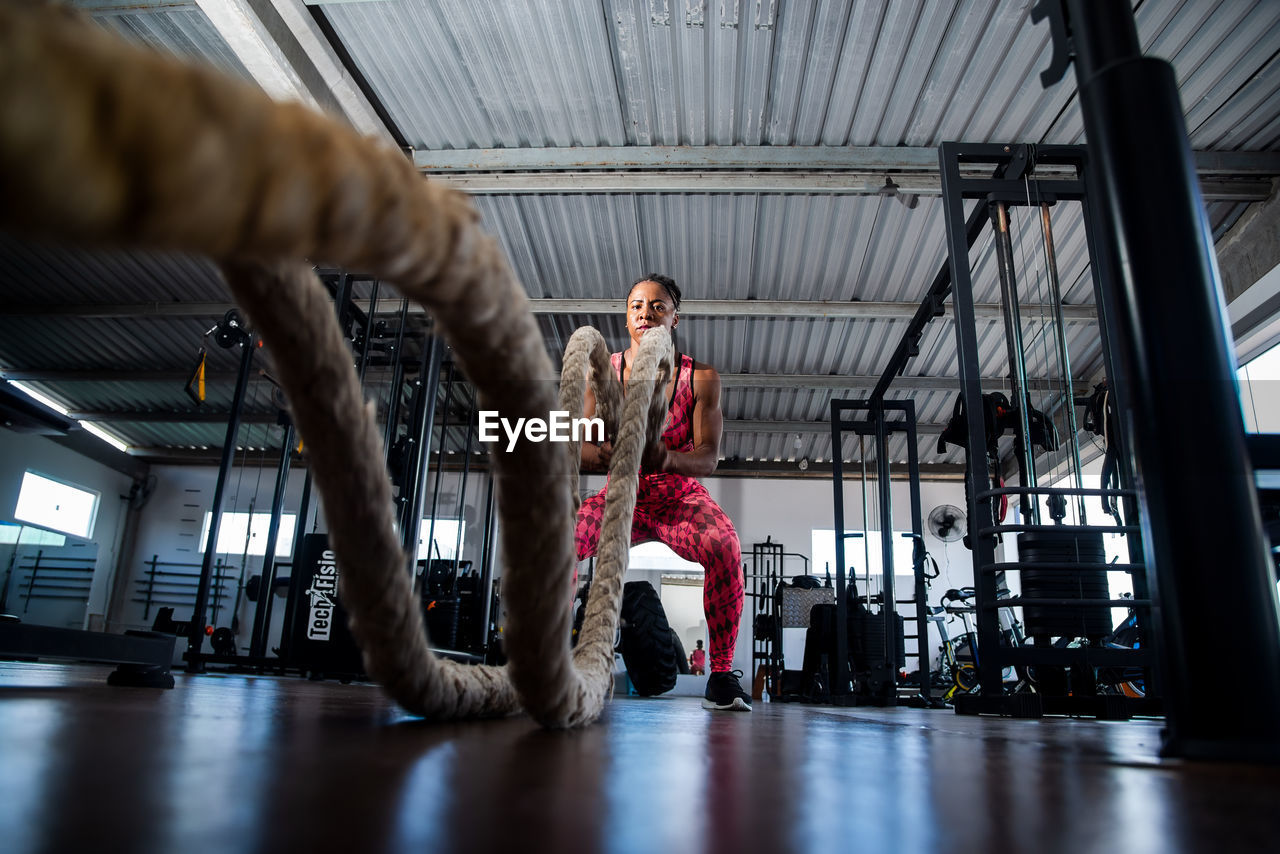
(618, 73)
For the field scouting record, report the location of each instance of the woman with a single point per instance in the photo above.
(671, 505)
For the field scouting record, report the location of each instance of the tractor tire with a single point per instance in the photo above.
(647, 648)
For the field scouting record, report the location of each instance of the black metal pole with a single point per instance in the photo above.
(439, 474)
(295, 575)
(397, 382)
(195, 632)
(462, 500)
(486, 563)
(917, 552)
(258, 639)
(1215, 595)
(976, 475)
(366, 341)
(424, 417)
(888, 607)
(841, 684)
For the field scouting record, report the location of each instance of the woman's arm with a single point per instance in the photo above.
(708, 426)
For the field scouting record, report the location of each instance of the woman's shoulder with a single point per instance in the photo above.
(701, 369)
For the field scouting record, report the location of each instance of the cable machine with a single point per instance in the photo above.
(1061, 561)
(1061, 566)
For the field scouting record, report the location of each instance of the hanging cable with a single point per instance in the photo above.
(866, 522)
(1041, 337)
(1055, 395)
(1064, 358)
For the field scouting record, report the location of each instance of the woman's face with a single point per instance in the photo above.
(649, 305)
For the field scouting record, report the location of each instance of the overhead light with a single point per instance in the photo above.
(62, 410)
(105, 436)
(37, 396)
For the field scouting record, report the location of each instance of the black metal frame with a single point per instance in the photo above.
(1018, 184)
(359, 327)
(767, 569)
(765, 573)
(878, 426)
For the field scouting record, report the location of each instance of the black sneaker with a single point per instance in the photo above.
(724, 693)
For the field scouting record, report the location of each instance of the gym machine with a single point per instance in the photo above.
(1062, 567)
(416, 363)
(777, 605)
(868, 674)
(1160, 315)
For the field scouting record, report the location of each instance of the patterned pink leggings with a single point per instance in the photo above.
(678, 511)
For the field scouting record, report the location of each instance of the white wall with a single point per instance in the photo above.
(20, 452)
(788, 510)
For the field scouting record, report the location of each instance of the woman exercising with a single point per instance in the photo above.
(671, 505)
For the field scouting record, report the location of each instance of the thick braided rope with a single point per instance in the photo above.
(641, 420)
(587, 357)
(291, 311)
(104, 143)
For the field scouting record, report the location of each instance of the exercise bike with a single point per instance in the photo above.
(956, 677)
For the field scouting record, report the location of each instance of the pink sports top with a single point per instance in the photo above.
(677, 433)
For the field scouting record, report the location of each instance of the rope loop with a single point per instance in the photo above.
(194, 161)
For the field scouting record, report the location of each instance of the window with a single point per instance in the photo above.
(21, 535)
(236, 526)
(445, 537)
(863, 556)
(657, 555)
(52, 504)
(1259, 384)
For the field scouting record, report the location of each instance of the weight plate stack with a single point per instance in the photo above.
(1057, 547)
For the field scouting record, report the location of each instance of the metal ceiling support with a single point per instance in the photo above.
(933, 305)
(750, 381)
(831, 183)
(1220, 638)
(246, 33)
(280, 44)
(807, 427)
(798, 158)
(845, 170)
(320, 67)
(851, 309)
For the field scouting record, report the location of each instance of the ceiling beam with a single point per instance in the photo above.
(726, 468)
(805, 427)
(833, 158)
(727, 381)
(829, 183)
(307, 47)
(849, 170)
(209, 416)
(688, 308)
(282, 47)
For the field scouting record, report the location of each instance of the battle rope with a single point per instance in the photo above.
(105, 143)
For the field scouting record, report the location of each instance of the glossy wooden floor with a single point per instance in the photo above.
(252, 764)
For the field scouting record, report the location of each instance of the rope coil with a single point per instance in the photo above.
(167, 156)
